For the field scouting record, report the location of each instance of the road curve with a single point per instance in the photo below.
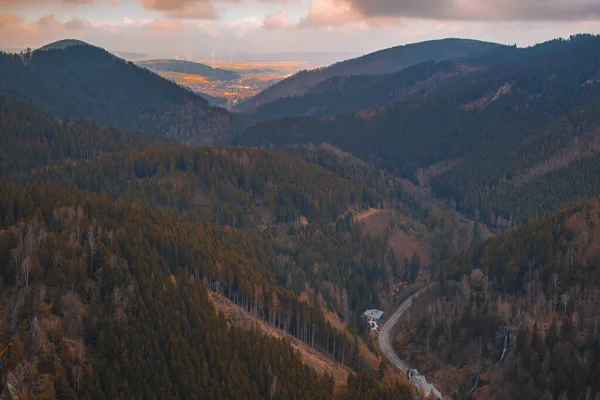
(386, 348)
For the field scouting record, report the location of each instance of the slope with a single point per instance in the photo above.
(107, 297)
(86, 81)
(83, 277)
(344, 94)
(381, 62)
(480, 135)
(532, 292)
(32, 140)
(192, 68)
(63, 44)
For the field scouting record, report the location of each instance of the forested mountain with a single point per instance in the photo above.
(85, 81)
(114, 244)
(105, 260)
(540, 283)
(31, 140)
(213, 100)
(187, 67)
(82, 277)
(506, 144)
(381, 62)
(63, 44)
(344, 94)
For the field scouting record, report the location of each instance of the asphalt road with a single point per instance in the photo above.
(386, 347)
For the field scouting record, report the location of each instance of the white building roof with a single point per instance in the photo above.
(373, 314)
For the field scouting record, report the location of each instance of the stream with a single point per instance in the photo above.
(502, 355)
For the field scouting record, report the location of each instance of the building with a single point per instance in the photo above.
(374, 318)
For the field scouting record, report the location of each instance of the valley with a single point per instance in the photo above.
(156, 245)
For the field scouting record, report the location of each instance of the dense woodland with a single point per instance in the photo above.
(386, 61)
(508, 126)
(82, 276)
(541, 283)
(32, 140)
(87, 82)
(86, 255)
(344, 94)
(113, 241)
(279, 229)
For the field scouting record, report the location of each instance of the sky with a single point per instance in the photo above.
(180, 28)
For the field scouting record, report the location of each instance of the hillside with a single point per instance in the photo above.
(63, 44)
(88, 245)
(88, 82)
(306, 211)
(381, 62)
(503, 145)
(97, 329)
(344, 94)
(541, 284)
(33, 140)
(192, 68)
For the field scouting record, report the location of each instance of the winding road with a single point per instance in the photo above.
(386, 348)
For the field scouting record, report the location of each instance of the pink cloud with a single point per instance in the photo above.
(183, 9)
(10, 20)
(160, 25)
(277, 21)
(330, 13)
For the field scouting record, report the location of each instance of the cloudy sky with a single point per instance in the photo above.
(184, 27)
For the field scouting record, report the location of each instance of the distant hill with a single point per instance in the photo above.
(129, 56)
(193, 68)
(381, 62)
(213, 100)
(32, 140)
(63, 44)
(343, 94)
(86, 81)
(505, 145)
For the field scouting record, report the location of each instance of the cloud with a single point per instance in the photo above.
(10, 20)
(29, 3)
(330, 13)
(277, 21)
(76, 24)
(163, 25)
(477, 10)
(243, 27)
(183, 9)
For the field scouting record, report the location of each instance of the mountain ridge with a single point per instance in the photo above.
(380, 62)
(188, 67)
(89, 82)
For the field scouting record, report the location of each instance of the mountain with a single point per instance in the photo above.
(129, 56)
(87, 82)
(381, 62)
(213, 100)
(192, 68)
(345, 94)
(516, 316)
(63, 44)
(503, 145)
(113, 245)
(44, 142)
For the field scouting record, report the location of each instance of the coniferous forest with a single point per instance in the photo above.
(134, 265)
